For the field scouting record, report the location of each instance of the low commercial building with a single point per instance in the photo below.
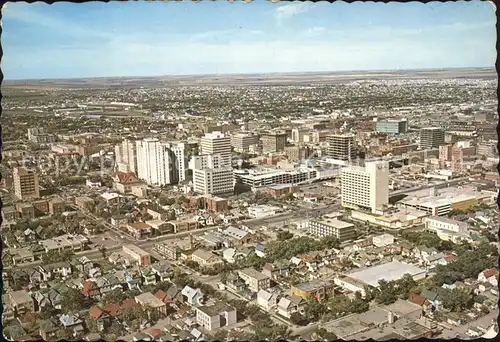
(168, 250)
(263, 178)
(343, 231)
(139, 229)
(206, 258)
(261, 211)
(215, 316)
(216, 204)
(56, 206)
(26, 210)
(436, 223)
(279, 190)
(405, 218)
(184, 225)
(316, 289)
(85, 203)
(64, 242)
(142, 257)
(383, 240)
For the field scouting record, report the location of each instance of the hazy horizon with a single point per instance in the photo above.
(340, 72)
(155, 39)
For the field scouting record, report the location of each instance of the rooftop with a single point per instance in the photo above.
(390, 271)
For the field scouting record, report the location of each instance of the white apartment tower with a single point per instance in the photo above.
(216, 143)
(212, 171)
(366, 187)
(126, 156)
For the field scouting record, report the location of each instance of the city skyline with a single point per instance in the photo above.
(40, 42)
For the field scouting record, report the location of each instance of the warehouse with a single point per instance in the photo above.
(357, 280)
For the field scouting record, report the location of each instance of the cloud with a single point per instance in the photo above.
(291, 10)
(28, 14)
(314, 31)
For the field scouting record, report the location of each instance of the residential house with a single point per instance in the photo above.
(174, 294)
(260, 250)
(101, 318)
(235, 283)
(267, 299)
(433, 298)
(254, 279)
(447, 259)
(231, 255)
(215, 316)
(489, 276)
(47, 298)
(90, 289)
(277, 270)
(72, 322)
(148, 276)
(423, 252)
(124, 181)
(21, 302)
(49, 271)
(162, 270)
(48, 329)
(433, 259)
(289, 305)
(192, 296)
(133, 279)
(35, 275)
(152, 304)
(421, 301)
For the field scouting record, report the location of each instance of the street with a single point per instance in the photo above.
(484, 321)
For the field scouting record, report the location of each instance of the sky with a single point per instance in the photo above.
(67, 40)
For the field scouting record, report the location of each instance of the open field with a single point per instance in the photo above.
(250, 79)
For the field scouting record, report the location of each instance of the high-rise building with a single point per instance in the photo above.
(431, 137)
(445, 153)
(178, 155)
(212, 171)
(392, 126)
(216, 143)
(25, 183)
(365, 187)
(126, 156)
(299, 134)
(273, 142)
(297, 153)
(154, 162)
(342, 147)
(241, 142)
(213, 181)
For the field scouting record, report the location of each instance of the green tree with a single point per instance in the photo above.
(358, 304)
(314, 310)
(323, 334)
(387, 293)
(73, 301)
(457, 300)
(405, 285)
(329, 241)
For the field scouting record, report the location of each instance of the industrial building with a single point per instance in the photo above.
(370, 276)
